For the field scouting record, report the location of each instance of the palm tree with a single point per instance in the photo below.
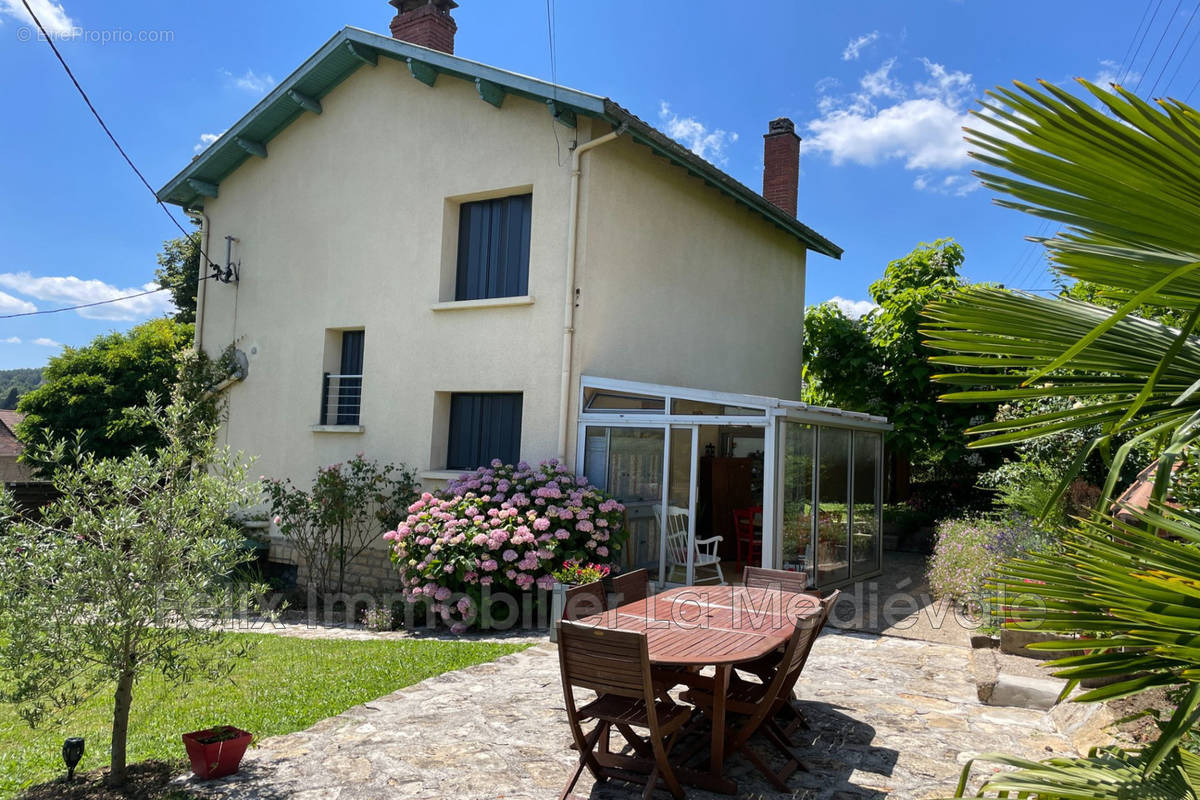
(1126, 186)
(1122, 178)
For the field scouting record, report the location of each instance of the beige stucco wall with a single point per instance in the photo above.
(681, 286)
(351, 222)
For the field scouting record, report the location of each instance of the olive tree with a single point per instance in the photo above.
(128, 572)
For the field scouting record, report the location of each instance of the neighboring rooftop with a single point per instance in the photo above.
(352, 48)
(10, 445)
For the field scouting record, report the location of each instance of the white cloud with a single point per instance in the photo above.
(11, 340)
(1110, 72)
(15, 305)
(855, 46)
(52, 16)
(853, 308)
(958, 185)
(695, 135)
(69, 290)
(42, 341)
(920, 124)
(206, 139)
(880, 83)
(251, 81)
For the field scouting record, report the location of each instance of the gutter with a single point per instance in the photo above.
(568, 346)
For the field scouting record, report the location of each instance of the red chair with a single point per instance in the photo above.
(749, 546)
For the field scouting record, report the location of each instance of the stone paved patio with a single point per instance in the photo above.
(890, 718)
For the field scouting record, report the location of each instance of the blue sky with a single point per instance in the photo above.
(878, 91)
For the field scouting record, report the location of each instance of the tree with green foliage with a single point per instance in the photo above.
(16, 382)
(179, 272)
(879, 365)
(91, 390)
(129, 572)
(1121, 175)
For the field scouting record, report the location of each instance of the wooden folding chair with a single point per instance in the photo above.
(616, 666)
(757, 704)
(764, 668)
(631, 586)
(584, 600)
(763, 578)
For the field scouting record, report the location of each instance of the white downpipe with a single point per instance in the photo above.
(202, 285)
(564, 411)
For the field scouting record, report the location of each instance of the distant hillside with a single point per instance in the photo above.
(16, 382)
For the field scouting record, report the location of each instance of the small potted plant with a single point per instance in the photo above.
(216, 752)
(571, 573)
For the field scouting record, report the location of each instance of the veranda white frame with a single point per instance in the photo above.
(773, 410)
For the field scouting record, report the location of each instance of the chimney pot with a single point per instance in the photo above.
(781, 164)
(425, 22)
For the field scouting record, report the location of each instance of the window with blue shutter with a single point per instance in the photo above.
(483, 427)
(341, 397)
(493, 248)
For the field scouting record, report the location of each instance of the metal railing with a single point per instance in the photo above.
(341, 399)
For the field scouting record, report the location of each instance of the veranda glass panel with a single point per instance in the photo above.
(605, 400)
(864, 549)
(799, 449)
(833, 521)
(628, 464)
(679, 492)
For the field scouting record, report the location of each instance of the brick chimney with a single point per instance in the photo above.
(425, 22)
(781, 164)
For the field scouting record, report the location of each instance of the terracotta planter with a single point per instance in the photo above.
(216, 759)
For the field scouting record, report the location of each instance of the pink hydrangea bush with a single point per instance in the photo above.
(501, 528)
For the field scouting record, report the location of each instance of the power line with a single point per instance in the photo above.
(1133, 38)
(192, 236)
(553, 79)
(94, 304)
(1182, 61)
(1133, 60)
(1182, 33)
(1192, 91)
(1157, 45)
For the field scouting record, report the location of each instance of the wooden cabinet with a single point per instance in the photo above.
(725, 484)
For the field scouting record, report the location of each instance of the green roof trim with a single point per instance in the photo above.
(353, 48)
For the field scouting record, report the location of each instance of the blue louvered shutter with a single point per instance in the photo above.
(483, 427)
(493, 248)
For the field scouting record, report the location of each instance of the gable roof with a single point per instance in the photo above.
(10, 445)
(352, 48)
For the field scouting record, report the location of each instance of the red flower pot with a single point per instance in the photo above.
(216, 752)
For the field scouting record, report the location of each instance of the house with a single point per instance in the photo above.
(11, 469)
(439, 262)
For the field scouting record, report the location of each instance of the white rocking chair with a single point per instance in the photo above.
(704, 551)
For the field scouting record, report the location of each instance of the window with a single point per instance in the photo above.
(341, 395)
(621, 402)
(483, 427)
(493, 248)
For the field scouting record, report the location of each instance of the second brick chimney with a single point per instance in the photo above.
(425, 22)
(781, 164)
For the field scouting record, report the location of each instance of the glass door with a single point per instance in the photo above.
(833, 506)
(796, 533)
(865, 541)
(679, 514)
(628, 463)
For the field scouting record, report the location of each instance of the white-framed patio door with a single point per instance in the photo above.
(680, 482)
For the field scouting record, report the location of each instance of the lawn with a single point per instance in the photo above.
(286, 684)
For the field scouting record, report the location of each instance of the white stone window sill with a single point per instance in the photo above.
(337, 429)
(443, 474)
(491, 302)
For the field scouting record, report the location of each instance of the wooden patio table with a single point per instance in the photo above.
(717, 626)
